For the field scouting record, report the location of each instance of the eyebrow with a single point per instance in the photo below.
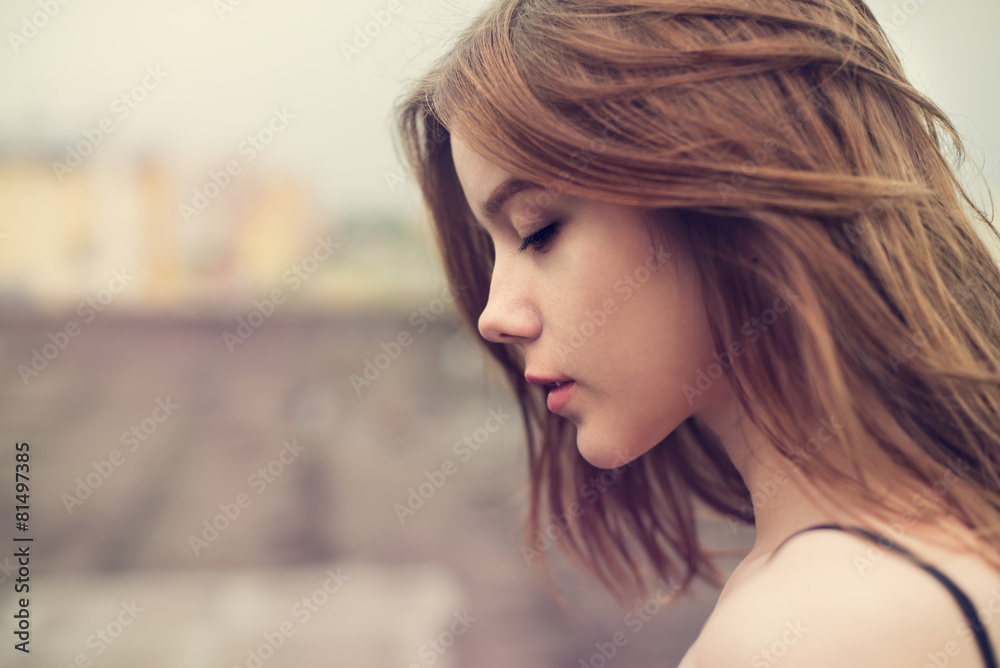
(501, 195)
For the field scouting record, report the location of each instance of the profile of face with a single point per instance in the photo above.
(600, 298)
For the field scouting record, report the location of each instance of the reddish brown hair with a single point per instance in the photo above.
(787, 126)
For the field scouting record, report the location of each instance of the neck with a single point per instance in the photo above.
(778, 488)
(785, 500)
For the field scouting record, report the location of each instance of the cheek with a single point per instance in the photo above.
(646, 354)
(585, 314)
(659, 335)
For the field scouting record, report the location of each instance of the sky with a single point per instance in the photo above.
(226, 67)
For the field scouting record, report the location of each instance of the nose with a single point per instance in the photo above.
(511, 315)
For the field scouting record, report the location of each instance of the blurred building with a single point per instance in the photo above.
(186, 246)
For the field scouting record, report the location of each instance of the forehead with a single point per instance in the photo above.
(478, 176)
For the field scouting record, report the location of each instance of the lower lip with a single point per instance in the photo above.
(559, 396)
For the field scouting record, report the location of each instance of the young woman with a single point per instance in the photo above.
(719, 251)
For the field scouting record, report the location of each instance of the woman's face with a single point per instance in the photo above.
(603, 301)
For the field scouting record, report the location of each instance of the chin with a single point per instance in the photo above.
(614, 449)
(603, 452)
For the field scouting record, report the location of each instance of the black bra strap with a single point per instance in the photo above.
(968, 609)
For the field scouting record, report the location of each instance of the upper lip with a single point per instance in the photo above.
(546, 380)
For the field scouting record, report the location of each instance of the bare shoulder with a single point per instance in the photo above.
(829, 598)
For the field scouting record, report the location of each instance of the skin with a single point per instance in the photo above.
(629, 373)
(608, 261)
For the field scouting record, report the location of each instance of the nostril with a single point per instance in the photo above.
(509, 316)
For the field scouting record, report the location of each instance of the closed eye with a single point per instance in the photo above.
(538, 240)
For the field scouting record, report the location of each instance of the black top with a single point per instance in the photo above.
(969, 610)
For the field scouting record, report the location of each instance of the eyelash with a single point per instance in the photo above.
(538, 240)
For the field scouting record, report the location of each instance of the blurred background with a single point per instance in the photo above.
(258, 434)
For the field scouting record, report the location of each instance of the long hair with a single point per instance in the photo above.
(785, 126)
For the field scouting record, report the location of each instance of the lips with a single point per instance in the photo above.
(550, 382)
(558, 389)
(559, 395)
